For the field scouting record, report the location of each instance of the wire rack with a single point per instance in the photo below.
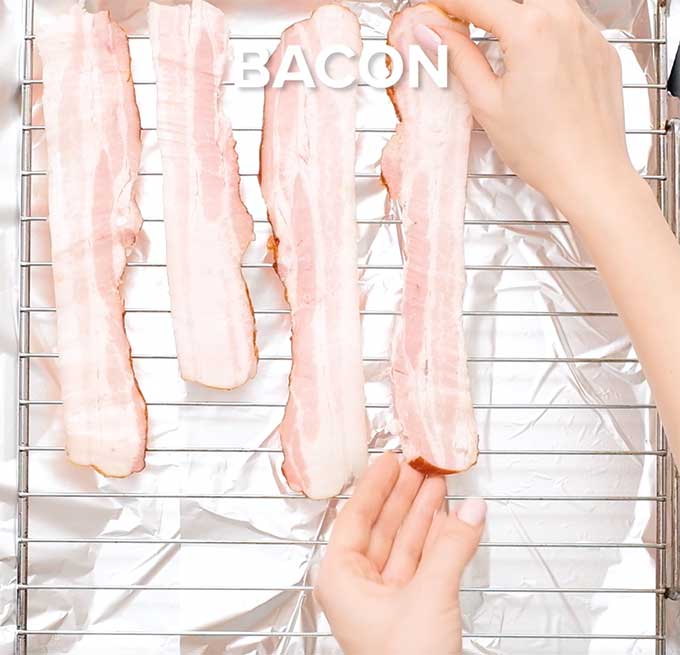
(664, 496)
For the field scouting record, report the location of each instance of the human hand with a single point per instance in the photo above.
(390, 579)
(556, 115)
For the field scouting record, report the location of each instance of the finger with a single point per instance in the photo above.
(458, 539)
(466, 61)
(496, 16)
(435, 529)
(408, 544)
(554, 6)
(352, 529)
(393, 513)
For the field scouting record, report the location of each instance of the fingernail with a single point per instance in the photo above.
(472, 511)
(427, 37)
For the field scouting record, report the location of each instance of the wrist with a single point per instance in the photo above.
(594, 195)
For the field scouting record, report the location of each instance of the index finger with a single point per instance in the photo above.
(496, 16)
(352, 531)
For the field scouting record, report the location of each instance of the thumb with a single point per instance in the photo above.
(443, 563)
(466, 61)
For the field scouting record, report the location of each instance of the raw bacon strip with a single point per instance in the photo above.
(93, 142)
(425, 169)
(207, 226)
(307, 175)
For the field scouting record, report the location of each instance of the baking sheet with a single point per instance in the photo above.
(528, 522)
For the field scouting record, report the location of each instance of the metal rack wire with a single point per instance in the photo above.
(666, 484)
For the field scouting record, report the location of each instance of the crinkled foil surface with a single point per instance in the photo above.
(235, 497)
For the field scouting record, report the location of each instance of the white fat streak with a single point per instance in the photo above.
(443, 441)
(240, 346)
(323, 464)
(354, 436)
(121, 428)
(126, 184)
(187, 348)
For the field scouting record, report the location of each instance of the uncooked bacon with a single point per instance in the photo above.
(207, 226)
(307, 175)
(93, 139)
(425, 169)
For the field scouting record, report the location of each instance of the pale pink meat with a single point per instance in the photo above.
(307, 175)
(425, 169)
(93, 142)
(207, 226)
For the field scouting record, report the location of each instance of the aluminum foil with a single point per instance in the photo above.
(247, 569)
